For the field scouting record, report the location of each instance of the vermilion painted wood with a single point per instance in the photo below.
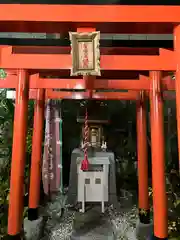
(158, 158)
(142, 152)
(36, 156)
(130, 95)
(15, 214)
(103, 96)
(165, 61)
(122, 19)
(121, 84)
(65, 13)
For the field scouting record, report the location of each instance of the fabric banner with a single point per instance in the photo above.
(52, 169)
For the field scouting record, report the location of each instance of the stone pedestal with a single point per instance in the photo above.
(144, 231)
(33, 229)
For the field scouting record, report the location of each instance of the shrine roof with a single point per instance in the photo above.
(105, 18)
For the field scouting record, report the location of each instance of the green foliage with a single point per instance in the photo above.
(29, 140)
(3, 74)
(6, 124)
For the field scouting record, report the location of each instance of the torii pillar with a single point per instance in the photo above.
(142, 156)
(158, 158)
(177, 82)
(144, 228)
(15, 215)
(36, 157)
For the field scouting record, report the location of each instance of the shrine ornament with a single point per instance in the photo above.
(85, 53)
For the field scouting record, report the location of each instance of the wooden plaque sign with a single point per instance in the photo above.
(85, 53)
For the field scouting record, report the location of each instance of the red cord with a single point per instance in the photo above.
(85, 162)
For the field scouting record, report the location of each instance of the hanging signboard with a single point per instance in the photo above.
(85, 53)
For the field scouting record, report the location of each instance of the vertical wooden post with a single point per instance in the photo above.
(15, 215)
(35, 175)
(144, 211)
(177, 82)
(158, 158)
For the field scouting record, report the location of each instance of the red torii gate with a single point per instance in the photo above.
(36, 81)
(31, 62)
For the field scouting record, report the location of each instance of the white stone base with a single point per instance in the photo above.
(33, 229)
(144, 231)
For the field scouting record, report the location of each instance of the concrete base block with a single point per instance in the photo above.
(144, 231)
(33, 229)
